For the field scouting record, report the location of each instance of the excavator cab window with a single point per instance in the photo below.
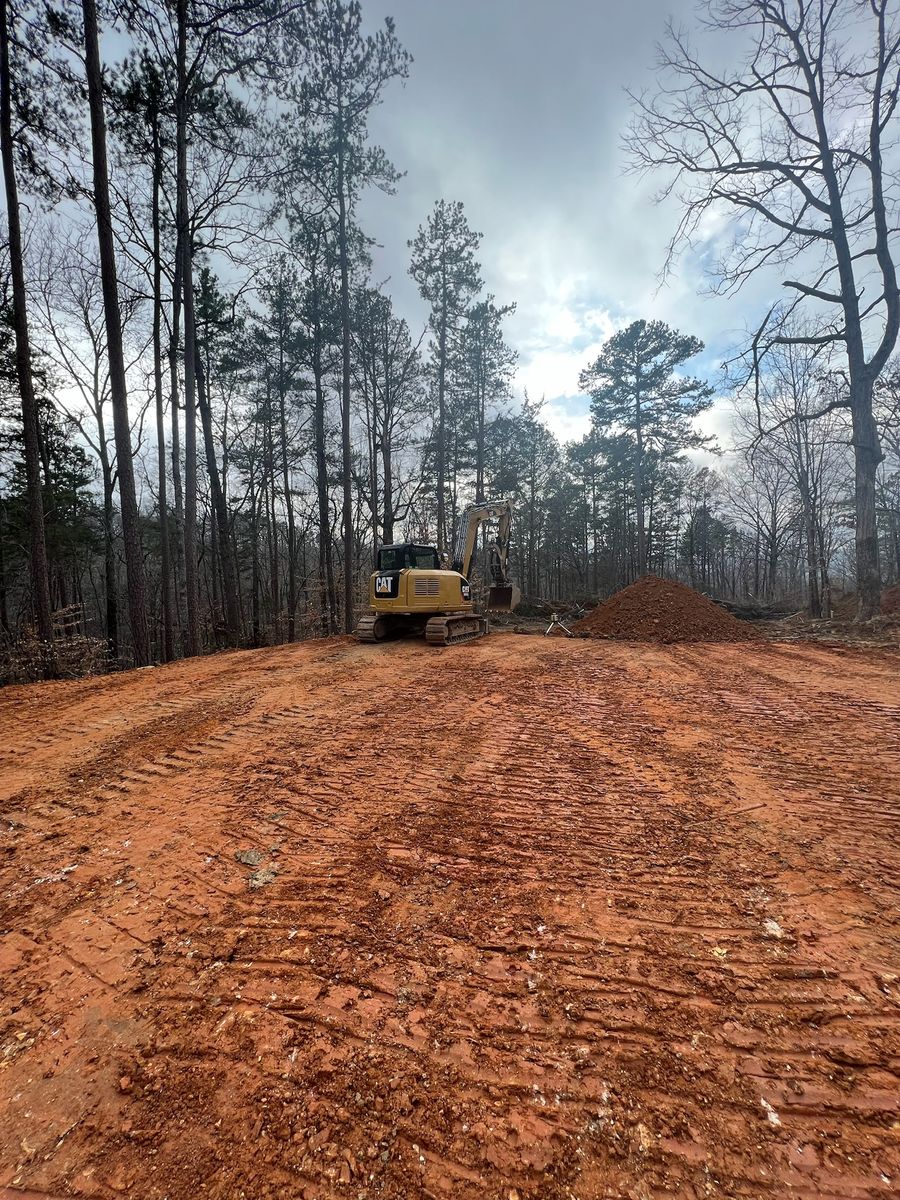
(396, 558)
(392, 558)
(423, 557)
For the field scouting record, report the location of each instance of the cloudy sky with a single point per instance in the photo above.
(517, 107)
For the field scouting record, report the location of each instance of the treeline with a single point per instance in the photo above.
(210, 412)
(211, 415)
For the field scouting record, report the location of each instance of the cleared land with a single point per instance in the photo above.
(523, 918)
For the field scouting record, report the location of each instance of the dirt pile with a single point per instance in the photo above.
(659, 610)
(843, 607)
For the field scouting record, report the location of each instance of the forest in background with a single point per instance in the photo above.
(211, 415)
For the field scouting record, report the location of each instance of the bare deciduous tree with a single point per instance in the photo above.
(69, 316)
(134, 564)
(796, 142)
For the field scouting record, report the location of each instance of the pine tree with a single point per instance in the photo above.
(40, 579)
(134, 564)
(634, 386)
(347, 73)
(487, 367)
(444, 266)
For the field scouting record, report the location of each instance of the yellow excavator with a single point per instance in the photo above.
(411, 591)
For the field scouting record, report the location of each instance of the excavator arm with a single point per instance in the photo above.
(503, 595)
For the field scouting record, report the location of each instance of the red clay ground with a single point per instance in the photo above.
(523, 918)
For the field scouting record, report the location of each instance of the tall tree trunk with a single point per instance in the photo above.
(168, 590)
(191, 580)
(178, 563)
(110, 579)
(110, 569)
(454, 491)
(595, 562)
(533, 568)
(271, 515)
(191, 545)
(442, 430)
(254, 560)
(387, 487)
(372, 430)
(213, 573)
(867, 456)
(652, 517)
(824, 578)
(220, 512)
(40, 575)
(812, 559)
(346, 463)
(272, 547)
(757, 561)
(802, 461)
(4, 609)
(639, 480)
(134, 565)
(479, 438)
(326, 565)
(288, 499)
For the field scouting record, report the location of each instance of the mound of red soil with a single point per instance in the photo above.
(844, 607)
(659, 610)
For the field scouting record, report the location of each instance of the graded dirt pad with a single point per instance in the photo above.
(661, 610)
(522, 918)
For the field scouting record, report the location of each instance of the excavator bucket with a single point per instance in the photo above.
(503, 597)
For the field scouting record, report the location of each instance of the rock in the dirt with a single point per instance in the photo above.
(260, 878)
(250, 858)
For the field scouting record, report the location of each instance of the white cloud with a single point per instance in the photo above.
(563, 325)
(719, 422)
(553, 372)
(558, 335)
(567, 424)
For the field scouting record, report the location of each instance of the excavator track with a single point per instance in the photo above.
(449, 631)
(372, 628)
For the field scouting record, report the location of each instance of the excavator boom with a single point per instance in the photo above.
(503, 595)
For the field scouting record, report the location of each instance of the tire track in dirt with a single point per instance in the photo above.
(115, 940)
(520, 935)
(62, 717)
(824, 757)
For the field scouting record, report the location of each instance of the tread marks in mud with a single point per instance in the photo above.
(518, 934)
(209, 750)
(826, 758)
(589, 990)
